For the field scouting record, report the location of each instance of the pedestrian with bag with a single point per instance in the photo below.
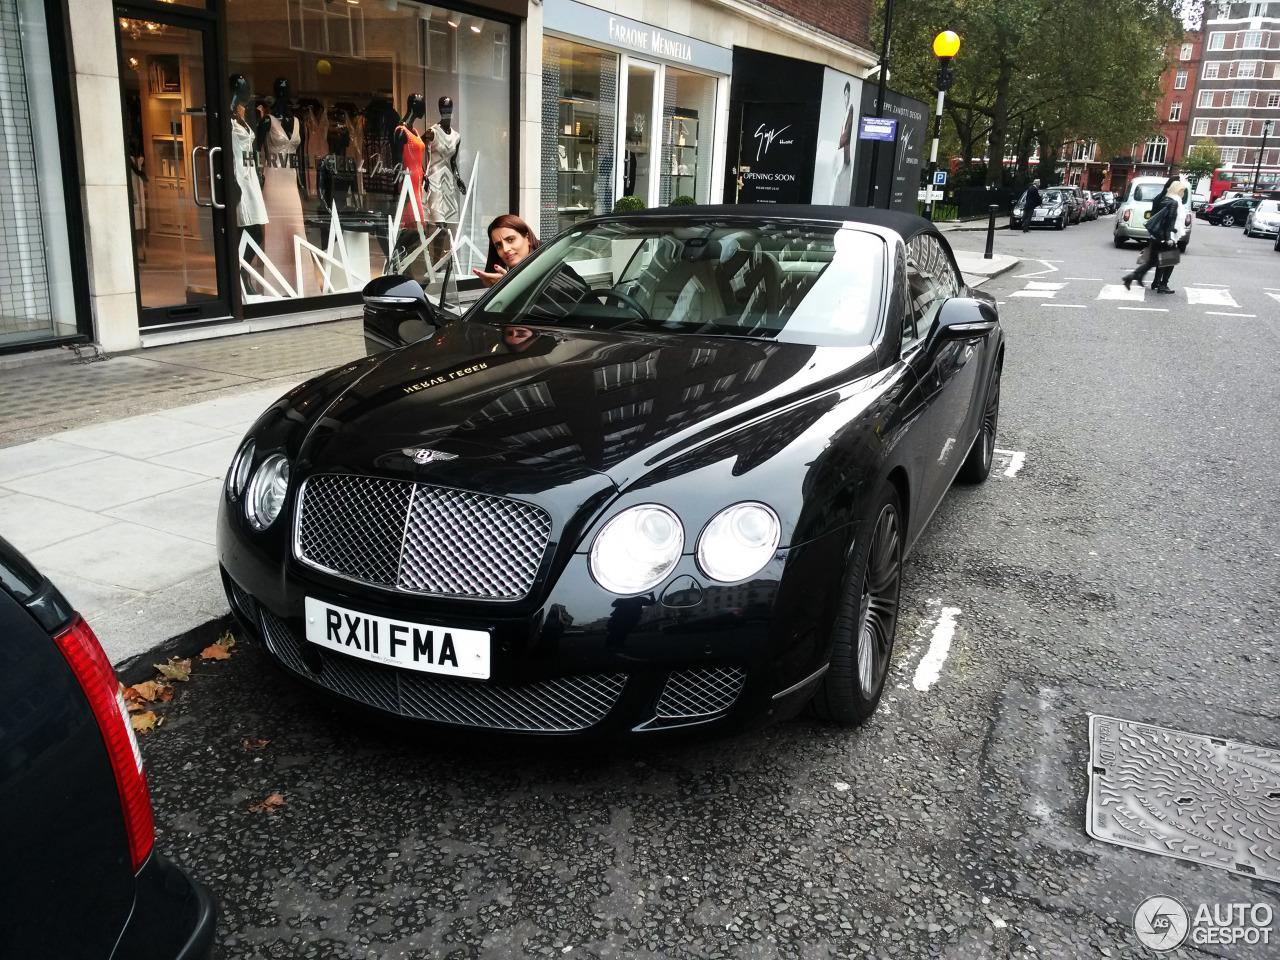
(1166, 210)
(1171, 254)
(1030, 200)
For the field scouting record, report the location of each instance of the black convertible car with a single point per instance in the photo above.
(664, 474)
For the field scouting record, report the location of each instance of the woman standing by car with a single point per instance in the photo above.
(1165, 211)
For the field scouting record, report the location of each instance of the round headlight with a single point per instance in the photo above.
(238, 475)
(738, 541)
(267, 491)
(637, 549)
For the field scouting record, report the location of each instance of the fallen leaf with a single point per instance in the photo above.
(149, 691)
(228, 639)
(175, 669)
(253, 743)
(165, 694)
(215, 651)
(269, 805)
(143, 722)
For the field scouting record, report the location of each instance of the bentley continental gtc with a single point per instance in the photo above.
(662, 475)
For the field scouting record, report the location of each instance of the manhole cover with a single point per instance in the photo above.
(1182, 795)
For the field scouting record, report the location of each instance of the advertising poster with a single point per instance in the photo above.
(837, 138)
(900, 162)
(772, 159)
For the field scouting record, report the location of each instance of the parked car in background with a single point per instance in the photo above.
(1230, 213)
(572, 512)
(1053, 211)
(1263, 220)
(1091, 207)
(82, 880)
(1066, 198)
(1135, 210)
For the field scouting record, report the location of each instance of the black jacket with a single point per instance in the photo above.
(1162, 220)
(1032, 199)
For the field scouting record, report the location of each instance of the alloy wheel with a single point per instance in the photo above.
(879, 608)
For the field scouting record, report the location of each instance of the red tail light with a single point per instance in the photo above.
(98, 680)
(1126, 215)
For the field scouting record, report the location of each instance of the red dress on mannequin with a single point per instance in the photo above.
(413, 154)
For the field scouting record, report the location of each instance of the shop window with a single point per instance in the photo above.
(580, 102)
(367, 139)
(36, 299)
(689, 101)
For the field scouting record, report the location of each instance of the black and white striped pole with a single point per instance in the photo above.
(945, 46)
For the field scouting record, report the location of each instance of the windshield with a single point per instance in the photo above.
(796, 283)
(1147, 191)
(1053, 196)
(1269, 206)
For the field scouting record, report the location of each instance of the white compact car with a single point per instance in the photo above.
(1263, 220)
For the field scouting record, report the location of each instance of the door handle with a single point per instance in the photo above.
(195, 180)
(213, 193)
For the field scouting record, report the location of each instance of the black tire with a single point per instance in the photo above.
(1246, 231)
(1062, 222)
(1228, 220)
(977, 466)
(1118, 241)
(867, 617)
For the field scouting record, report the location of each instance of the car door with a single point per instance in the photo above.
(947, 371)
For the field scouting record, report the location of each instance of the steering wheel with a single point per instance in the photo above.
(627, 300)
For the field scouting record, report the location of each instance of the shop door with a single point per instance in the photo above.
(172, 133)
(639, 131)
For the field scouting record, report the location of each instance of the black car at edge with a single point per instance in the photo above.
(662, 476)
(81, 878)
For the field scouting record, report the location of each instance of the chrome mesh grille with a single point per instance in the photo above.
(563, 705)
(700, 693)
(243, 602)
(420, 538)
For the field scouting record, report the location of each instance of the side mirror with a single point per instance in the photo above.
(396, 312)
(963, 318)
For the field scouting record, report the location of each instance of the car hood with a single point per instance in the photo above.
(563, 405)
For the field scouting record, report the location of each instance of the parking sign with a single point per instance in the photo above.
(939, 177)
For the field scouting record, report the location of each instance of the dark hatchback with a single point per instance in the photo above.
(81, 877)
(662, 476)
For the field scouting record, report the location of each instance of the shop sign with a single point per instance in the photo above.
(591, 23)
(771, 158)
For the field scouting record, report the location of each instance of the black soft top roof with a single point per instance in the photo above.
(907, 225)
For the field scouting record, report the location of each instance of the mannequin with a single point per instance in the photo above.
(314, 140)
(409, 149)
(443, 179)
(251, 211)
(278, 138)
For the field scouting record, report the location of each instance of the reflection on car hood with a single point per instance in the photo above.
(576, 401)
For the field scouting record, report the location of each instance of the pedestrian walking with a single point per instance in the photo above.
(1160, 283)
(1165, 211)
(1030, 200)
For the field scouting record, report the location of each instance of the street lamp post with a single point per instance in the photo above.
(945, 46)
(1257, 168)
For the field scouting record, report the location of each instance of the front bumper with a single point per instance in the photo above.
(1265, 229)
(582, 663)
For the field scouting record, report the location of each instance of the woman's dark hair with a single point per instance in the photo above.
(508, 221)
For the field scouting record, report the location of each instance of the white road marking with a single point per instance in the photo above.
(1069, 306)
(930, 668)
(1146, 309)
(1219, 313)
(1048, 268)
(1098, 279)
(1040, 285)
(1274, 296)
(1220, 297)
(1016, 459)
(1116, 291)
(1045, 291)
(1198, 284)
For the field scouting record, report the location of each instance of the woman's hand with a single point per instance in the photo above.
(489, 279)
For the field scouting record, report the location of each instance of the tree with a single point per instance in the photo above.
(1201, 160)
(1042, 71)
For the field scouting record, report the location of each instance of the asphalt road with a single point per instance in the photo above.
(1125, 565)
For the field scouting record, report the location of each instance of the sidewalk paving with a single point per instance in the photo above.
(110, 472)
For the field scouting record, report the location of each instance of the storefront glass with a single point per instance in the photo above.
(689, 102)
(580, 90)
(366, 137)
(36, 297)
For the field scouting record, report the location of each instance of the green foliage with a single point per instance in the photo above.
(1037, 72)
(625, 204)
(684, 200)
(1201, 160)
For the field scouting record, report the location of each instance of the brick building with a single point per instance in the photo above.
(1238, 84)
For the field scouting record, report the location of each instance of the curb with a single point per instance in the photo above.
(139, 667)
(996, 273)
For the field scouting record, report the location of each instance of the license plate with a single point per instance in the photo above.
(398, 643)
(1038, 216)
